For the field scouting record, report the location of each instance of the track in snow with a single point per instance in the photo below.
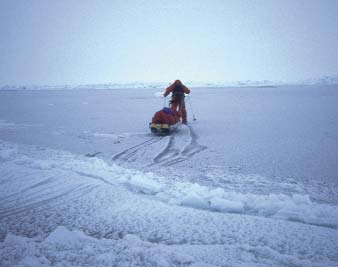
(178, 147)
(173, 153)
(131, 152)
(41, 193)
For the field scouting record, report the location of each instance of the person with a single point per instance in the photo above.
(177, 90)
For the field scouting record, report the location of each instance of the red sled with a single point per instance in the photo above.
(165, 121)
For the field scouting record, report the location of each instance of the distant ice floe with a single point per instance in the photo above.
(325, 80)
(10, 125)
(296, 207)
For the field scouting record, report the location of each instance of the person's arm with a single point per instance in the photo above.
(168, 90)
(186, 90)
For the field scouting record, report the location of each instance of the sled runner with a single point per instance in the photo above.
(163, 128)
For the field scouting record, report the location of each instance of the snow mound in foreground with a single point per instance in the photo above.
(296, 207)
(73, 248)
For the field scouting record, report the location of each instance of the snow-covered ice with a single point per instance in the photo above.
(252, 182)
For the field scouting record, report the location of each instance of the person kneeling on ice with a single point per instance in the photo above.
(177, 90)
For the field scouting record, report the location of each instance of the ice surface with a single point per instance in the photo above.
(252, 182)
(7, 154)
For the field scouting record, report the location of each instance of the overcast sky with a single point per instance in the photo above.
(79, 42)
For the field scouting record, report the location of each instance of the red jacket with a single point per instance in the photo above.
(172, 87)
